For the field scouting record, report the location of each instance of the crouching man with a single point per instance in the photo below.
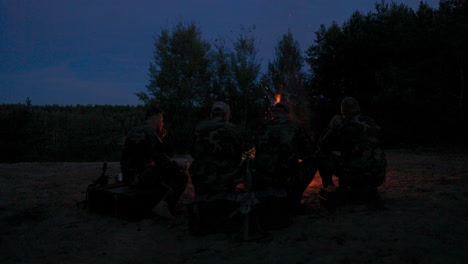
(147, 168)
(284, 167)
(217, 152)
(351, 150)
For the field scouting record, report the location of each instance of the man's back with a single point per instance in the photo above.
(351, 150)
(361, 146)
(217, 151)
(280, 143)
(217, 140)
(284, 167)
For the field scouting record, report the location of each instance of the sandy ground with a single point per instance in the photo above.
(426, 222)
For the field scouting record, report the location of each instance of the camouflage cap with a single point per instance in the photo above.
(350, 106)
(220, 108)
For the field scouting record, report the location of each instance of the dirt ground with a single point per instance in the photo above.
(426, 194)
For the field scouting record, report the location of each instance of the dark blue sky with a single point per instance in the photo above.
(98, 51)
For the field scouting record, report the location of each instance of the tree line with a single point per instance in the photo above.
(65, 133)
(406, 67)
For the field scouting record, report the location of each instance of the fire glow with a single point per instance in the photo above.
(277, 98)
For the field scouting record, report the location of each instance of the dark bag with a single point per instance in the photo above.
(117, 199)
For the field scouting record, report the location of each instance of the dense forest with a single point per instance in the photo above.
(65, 133)
(406, 67)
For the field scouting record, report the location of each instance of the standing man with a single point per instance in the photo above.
(284, 158)
(146, 167)
(351, 150)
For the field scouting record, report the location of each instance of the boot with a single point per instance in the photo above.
(162, 210)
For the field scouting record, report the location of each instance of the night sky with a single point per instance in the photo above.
(98, 51)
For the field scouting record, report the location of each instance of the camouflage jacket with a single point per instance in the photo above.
(280, 143)
(358, 139)
(143, 148)
(217, 150)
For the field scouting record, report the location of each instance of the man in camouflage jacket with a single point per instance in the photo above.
(350, 149)
(217, 152)
(146, 167)
(284, 157)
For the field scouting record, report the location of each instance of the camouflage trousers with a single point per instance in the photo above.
(330, 164)
(158, 184)
(210, 178)
(293, 181)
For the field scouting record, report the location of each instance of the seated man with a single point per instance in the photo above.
(146, 167)
(350, 149)
(283, 163)
(217, 152)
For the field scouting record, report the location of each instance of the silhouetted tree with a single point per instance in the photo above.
(247, 94)
(287, 77)
(180, 79)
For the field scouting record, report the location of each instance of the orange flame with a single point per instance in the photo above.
(277, 98)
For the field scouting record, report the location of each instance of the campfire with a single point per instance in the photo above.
(277, 98)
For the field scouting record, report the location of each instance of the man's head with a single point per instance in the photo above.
(155, 119)
(350, 106)
(280, 109)
(221, 109)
